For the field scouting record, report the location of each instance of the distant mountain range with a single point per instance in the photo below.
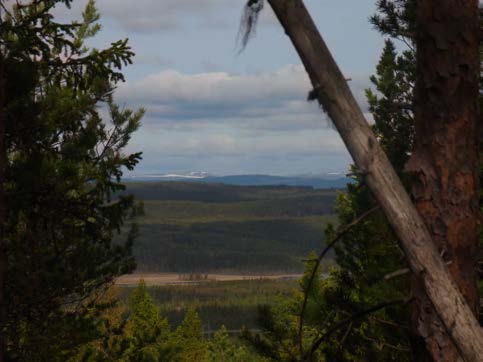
(320, 182)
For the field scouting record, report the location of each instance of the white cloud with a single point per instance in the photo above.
(216, 120)
(235, 151)
(214, 142)
(275, 100)
(167, 15)
(149, 15)
(220, 87)
(254, 120)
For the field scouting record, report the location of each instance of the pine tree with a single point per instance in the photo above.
(187, 339)
(444, 166)
(224, 349)
(146, 331)
(367, 254)
(63, 164)
(110, 342)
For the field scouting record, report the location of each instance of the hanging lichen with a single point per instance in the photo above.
(248, 22)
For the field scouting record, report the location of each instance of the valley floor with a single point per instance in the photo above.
(161, 279)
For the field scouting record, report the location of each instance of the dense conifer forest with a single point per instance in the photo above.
(194, 227)
(70, 224)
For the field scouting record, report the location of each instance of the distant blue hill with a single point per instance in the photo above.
(265, 180)
(319, 182)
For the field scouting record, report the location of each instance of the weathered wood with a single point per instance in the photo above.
(3, 203)
(337, 100)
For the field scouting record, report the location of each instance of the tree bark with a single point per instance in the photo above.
(3, 205)
(444, 163)
(335, 97)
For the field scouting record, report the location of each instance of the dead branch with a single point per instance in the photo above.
(335, 97)
(397, 273)
(324, 252)
(317, 342)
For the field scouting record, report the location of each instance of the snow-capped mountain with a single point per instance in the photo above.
(331, 180)
(172, 176)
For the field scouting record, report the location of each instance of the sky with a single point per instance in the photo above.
(210, 108)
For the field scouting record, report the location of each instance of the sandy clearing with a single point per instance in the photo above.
(180, 279)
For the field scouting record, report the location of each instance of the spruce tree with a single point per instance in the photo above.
(63, 163)
(187, 339)
(222, 348)
(146, 331)
(367, 255)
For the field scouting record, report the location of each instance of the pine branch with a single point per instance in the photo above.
(324, 252)
(351, 319)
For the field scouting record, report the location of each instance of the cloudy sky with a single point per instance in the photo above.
(212, 109)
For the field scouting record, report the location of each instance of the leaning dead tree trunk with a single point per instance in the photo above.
(444, 163)
(3, 203)
(334, 95)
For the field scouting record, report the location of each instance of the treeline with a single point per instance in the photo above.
(217, 192)
(138, 332)
(233, 304)
(60, 169)
(254, 229)
(272, 245)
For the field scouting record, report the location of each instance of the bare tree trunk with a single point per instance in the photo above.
(444, 163)
(423, 257)
(3, 206)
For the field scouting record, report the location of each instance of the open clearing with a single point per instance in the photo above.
(160, 279)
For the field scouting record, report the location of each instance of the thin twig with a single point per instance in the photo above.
(351, 319)
(317, 264)
(389, 323)
(346, 334)
(384, 344)
(397, 273)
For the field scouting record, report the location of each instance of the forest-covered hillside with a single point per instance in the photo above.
(214, 227)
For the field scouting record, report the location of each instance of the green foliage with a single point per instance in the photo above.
(110, 341)
(146, 330)
(64, 161)
(224, 193)
(278, 338)
(223, 349)
(187, 339)
(137, 332)
(190, 227)
(391, 105)
(396, 19)
(368, 252)
(230, 303)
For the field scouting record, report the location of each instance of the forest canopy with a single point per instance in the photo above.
(405, 238)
